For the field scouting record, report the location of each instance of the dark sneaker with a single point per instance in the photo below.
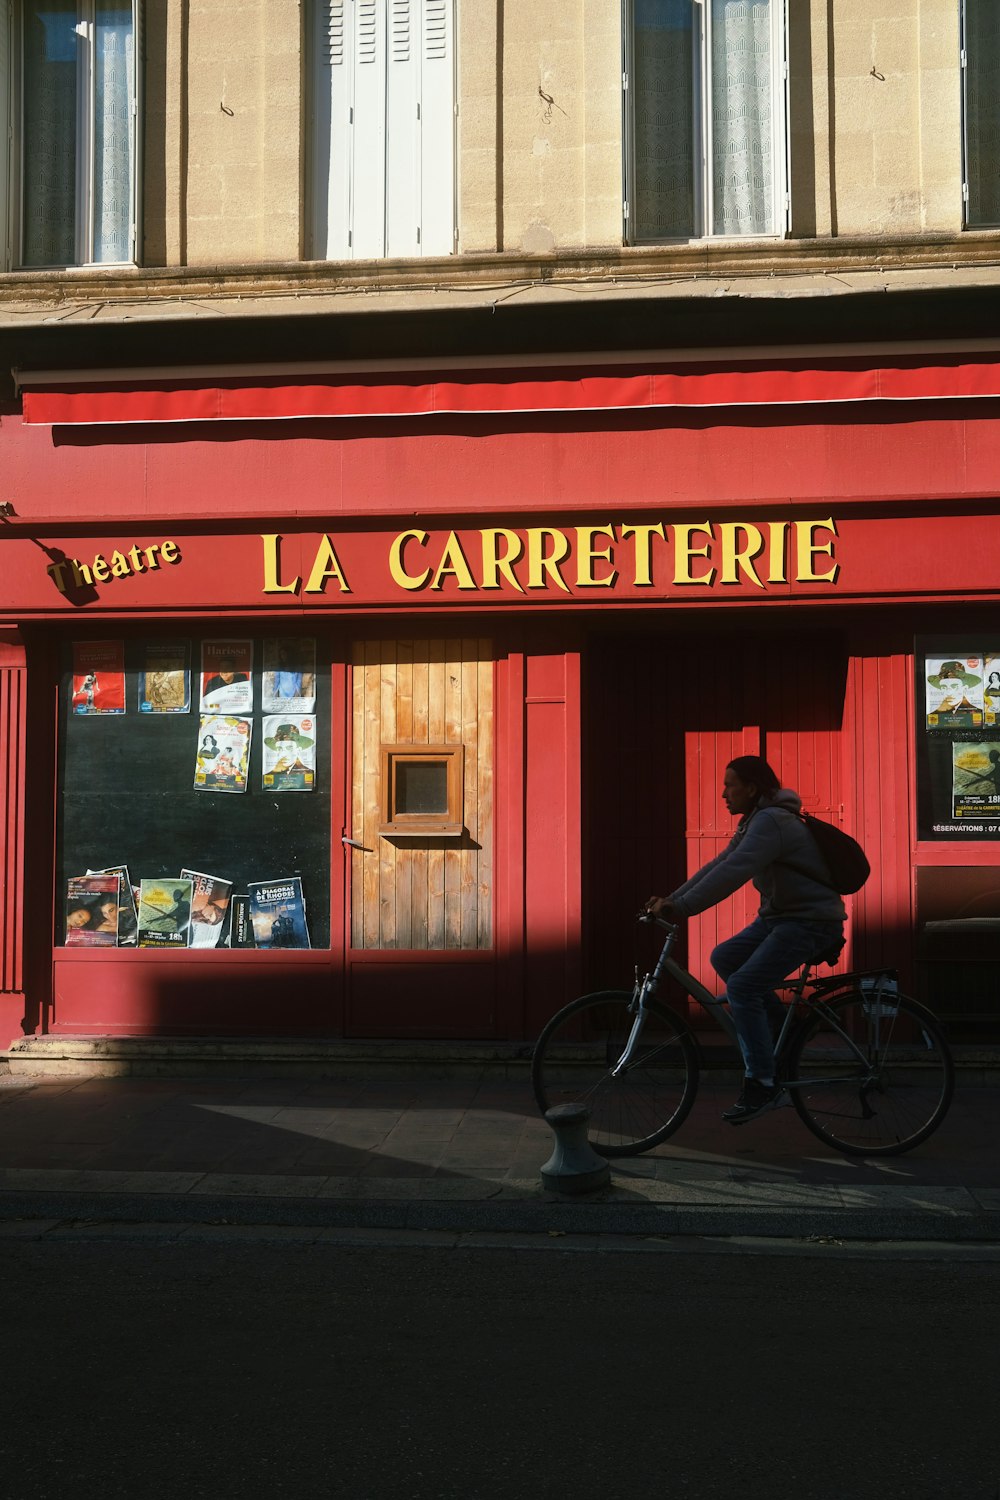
(755, 1098)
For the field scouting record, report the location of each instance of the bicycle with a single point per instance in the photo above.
(868, 1069)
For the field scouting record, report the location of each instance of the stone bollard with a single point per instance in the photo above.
(574, 1166)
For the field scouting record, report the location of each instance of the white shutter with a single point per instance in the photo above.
(402, 137)
(5, 137)
(437, 127)
(368, 186)
(333, 53)
(383, 135)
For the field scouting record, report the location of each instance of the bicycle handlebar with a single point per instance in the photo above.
(648, 919)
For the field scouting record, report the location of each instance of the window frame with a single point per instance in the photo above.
(12, 169)
(398, 824)
(342, 188)
(124, 789)
(968, 221)
(935, 759)
(702, 130)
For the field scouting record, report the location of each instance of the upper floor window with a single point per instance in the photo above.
(383, 128)
(705, 119)
(981, 81)
(69, 185)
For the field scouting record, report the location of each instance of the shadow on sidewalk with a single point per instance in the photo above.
(431, 1129)
(342, 1129)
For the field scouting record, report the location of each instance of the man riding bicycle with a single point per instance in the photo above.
(801, 916)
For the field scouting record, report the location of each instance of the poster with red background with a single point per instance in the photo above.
(98, 677)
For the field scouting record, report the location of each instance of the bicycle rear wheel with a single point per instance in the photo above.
(870, 1074)
(574, 1056)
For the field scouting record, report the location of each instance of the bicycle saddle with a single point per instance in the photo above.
(832, 954)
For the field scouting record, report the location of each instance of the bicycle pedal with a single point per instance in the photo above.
(778, 1102)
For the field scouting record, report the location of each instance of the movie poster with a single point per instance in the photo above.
(289, 756)
(975, 779)
(240, 926)
(278, 913)
(128, 916)
(165, 677)
(209, 908)
(164, 913)
(223, 757)
(98, 677)
(92, 911)
(288, 685)
(991, 689)
(227, 677)
(954, 692)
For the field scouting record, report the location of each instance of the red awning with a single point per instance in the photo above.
(527, 389)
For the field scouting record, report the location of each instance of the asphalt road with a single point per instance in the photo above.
(244, 1369)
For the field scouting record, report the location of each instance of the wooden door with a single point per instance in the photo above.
(665, 717)
(421, 908)
(783, 696)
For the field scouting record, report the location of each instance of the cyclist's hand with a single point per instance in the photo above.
(662, 907)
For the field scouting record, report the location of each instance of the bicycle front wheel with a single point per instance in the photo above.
(582, 1043)
(870, 1073)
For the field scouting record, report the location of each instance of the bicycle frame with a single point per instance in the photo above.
(649, 984)
(647, 987)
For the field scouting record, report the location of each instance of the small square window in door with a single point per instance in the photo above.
(422, 791)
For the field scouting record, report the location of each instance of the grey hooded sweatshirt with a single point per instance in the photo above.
(774, 849)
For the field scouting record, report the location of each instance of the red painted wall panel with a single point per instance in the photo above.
(633, 810)
(13, 744)
(803, 679)
(878, 774)
(435, 995)
(509, 836)
(709, 824)
(552, 893)
(234, 994)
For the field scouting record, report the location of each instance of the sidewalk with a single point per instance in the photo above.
(461, 1155)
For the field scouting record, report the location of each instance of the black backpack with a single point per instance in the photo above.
(845, 858)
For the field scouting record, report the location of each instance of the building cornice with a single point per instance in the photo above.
(104, 291)
(705, 297)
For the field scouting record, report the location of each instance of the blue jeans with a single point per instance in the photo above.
(752, 963)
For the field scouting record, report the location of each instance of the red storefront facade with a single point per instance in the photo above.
(596, 582)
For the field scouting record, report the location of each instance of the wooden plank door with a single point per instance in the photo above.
(421, 956)
(423, 894)
(664, 717)
(786, 703)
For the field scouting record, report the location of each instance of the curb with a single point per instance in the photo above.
(555, 1215)
(376, 1060)
(39, 1057)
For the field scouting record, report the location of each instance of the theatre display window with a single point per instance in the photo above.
(193, 775)
(958, 729)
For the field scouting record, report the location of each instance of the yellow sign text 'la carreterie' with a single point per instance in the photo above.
(685, 554)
